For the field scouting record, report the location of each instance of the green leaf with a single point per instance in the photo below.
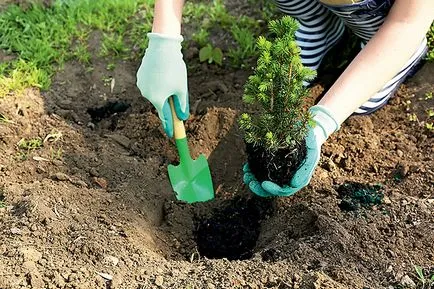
(419, 272)
(205, 53)
(217, 55)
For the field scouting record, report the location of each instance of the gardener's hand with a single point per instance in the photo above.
(325, 125)
(163, 74)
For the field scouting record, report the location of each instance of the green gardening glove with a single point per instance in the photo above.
(325, 125)
(163, 74)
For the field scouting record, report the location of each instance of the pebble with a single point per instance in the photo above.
(387, 200)
(57, 163)
(94, 172)
(159, 281)
(40, 170)
(30, 266)
(210, 286)
(330, 165)
(111, 260)
(36, 280)
(34, 228)
(389, 269)
(101, 182)
(91, 125)
(120, 139)
(58, 280)
(80, 183)
(61, 176)
(30, 254)
(407, 282)
(15, 231)
(105, 276)
(422, 205)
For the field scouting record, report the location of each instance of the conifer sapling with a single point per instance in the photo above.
(275, 135)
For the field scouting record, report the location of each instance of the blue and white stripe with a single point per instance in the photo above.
(381, 97)
(322, 25)
(318, 29)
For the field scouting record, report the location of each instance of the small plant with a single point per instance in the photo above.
(25, 146)
(425, 277)
(211, 54)
(275, 136)
(111, 66)
(412, 117)
(246, 47)
(4, 119)
(56, 154)
(113, 44)
(31, 144)
(201, 37)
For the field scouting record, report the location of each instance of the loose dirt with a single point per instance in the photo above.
(93, 208)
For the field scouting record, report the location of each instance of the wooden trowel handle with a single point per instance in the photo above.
(178, 125)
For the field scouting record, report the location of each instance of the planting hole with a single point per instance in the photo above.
(356, 195)
(232, 231)
(107, 110)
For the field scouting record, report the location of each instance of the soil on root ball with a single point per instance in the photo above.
(278, 167)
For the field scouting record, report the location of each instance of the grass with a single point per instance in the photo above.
(4, 119)
(42, 39)
(206, 19)
(31, 144)
(26, 146)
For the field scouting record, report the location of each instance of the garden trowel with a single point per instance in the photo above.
(191, 179)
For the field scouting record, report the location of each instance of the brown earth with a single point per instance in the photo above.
(93, 208)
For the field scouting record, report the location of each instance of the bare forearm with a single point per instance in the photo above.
(168, 17)
(381, 59)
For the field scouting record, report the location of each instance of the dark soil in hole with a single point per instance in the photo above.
(356, 195)
(109, 109)
(279, 166)
(232, 232)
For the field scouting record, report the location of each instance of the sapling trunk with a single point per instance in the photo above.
(275, 135)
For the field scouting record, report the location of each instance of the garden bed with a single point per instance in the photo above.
(86, 202)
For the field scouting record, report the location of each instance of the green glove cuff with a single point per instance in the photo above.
(163, 41)
(324, 119)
